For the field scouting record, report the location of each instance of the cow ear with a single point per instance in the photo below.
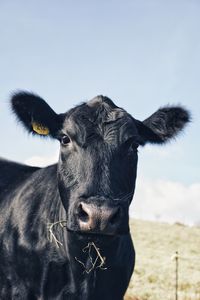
(163, 125)
(35, 114)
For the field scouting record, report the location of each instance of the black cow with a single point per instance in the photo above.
(64, 231)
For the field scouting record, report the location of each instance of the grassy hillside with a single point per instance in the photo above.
(154, 275)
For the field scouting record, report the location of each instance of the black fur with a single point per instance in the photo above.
(31, 108)
(165, 123)
(96, 168)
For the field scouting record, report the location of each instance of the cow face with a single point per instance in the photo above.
(97, 166)
(98, 155)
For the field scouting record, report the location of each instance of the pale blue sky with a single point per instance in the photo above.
(142, 54)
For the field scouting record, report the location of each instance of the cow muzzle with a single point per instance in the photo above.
(102, 219)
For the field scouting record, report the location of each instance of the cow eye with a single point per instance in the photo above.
(131, 144)
(134, 146)
(65, 140)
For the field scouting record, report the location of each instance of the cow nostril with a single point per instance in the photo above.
(115, 217)
(82, 214)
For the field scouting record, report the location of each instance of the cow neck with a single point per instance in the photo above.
(53, 215)
(63, 230)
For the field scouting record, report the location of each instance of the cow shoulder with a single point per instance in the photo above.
(13, 174)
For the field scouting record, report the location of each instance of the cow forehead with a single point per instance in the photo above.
(101, 101)
(99, 117)
(99, 110)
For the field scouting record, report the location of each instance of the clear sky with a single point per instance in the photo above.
(142, 54)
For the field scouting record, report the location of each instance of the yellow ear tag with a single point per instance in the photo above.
(40, 129)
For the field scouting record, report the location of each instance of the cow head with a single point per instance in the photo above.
(98, 155)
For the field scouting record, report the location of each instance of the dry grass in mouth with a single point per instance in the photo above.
(97, 261)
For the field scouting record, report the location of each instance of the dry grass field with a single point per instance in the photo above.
(154, 275)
